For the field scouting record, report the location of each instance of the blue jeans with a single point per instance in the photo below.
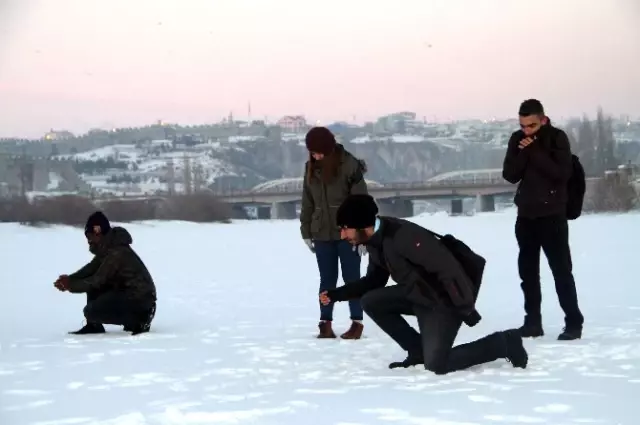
(328, 254)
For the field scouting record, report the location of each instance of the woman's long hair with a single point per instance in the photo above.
(329, 166)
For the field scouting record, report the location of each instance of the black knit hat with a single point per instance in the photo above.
(97, 223)
(357, 212)
(320, 140)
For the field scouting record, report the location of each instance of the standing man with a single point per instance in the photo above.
(539, 159)
(431, 285)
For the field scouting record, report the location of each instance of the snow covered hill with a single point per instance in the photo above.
(149, 166)
(233, 341)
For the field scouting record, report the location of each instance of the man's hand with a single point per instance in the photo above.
(309, 243)
(362, 250)
(526, 142)
(62, 284)
(324, 298)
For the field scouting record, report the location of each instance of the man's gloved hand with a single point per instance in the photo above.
(325, 299)
(62, 284)
(329, 297)
(472, 318)
(309, 243)
(362, 250)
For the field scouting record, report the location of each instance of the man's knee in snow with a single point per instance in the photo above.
(436, 364)
(438, 369)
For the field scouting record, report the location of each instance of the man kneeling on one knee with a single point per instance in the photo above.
(119, 288)
(431, 285)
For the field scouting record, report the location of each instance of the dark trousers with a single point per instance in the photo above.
(328, 255)
(438, 330)
(551, 234)
(115, 308)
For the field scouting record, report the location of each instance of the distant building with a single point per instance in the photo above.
(629, 171)
(398, 122)
(292, 123)
(340, 126)
(58, 135)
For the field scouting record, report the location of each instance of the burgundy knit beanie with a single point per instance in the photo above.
(320, 140)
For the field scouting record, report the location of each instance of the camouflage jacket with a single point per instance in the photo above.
(115, 266)
(320, 201)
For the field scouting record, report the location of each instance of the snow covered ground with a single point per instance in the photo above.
(233, 340)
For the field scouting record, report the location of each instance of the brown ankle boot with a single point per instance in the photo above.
(325, 330)
(354, 331)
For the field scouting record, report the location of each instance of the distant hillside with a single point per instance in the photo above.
(240, 156)
(147, 167)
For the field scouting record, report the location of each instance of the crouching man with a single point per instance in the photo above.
(431, 285)
(119, 288)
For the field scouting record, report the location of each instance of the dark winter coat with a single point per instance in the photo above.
(117, 267)
(542, 170)
(415, 259)
(320, 201)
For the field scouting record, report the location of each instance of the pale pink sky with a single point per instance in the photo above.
(78, 64)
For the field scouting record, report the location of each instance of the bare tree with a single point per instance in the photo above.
(586, 142)
(171, 178)
(613, 193)
(605, 142)
(596, 144)
(187, 178)
(198, 177)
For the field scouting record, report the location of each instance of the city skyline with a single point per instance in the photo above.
(76, 65)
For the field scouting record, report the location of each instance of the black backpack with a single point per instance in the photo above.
(576, 189)
(472, 263)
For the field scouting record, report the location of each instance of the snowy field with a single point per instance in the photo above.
(233, 340)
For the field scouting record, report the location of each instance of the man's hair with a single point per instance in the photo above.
(531, 107)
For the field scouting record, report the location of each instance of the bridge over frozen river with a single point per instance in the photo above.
(279, 198)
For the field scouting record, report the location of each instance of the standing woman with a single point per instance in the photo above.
(331, 174)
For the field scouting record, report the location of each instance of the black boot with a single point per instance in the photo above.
(143, 322)
(570, 333)
(138, 329)
(89, 328)
(532, 327)
(516, 353)
(413, 359)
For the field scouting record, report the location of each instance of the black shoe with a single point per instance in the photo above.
(570, 334)
(139, 329)
(145, 322)
(516, 353)
(532, 328)
(89, 328)
(531, 331)
(131, 328)
(411, 360)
